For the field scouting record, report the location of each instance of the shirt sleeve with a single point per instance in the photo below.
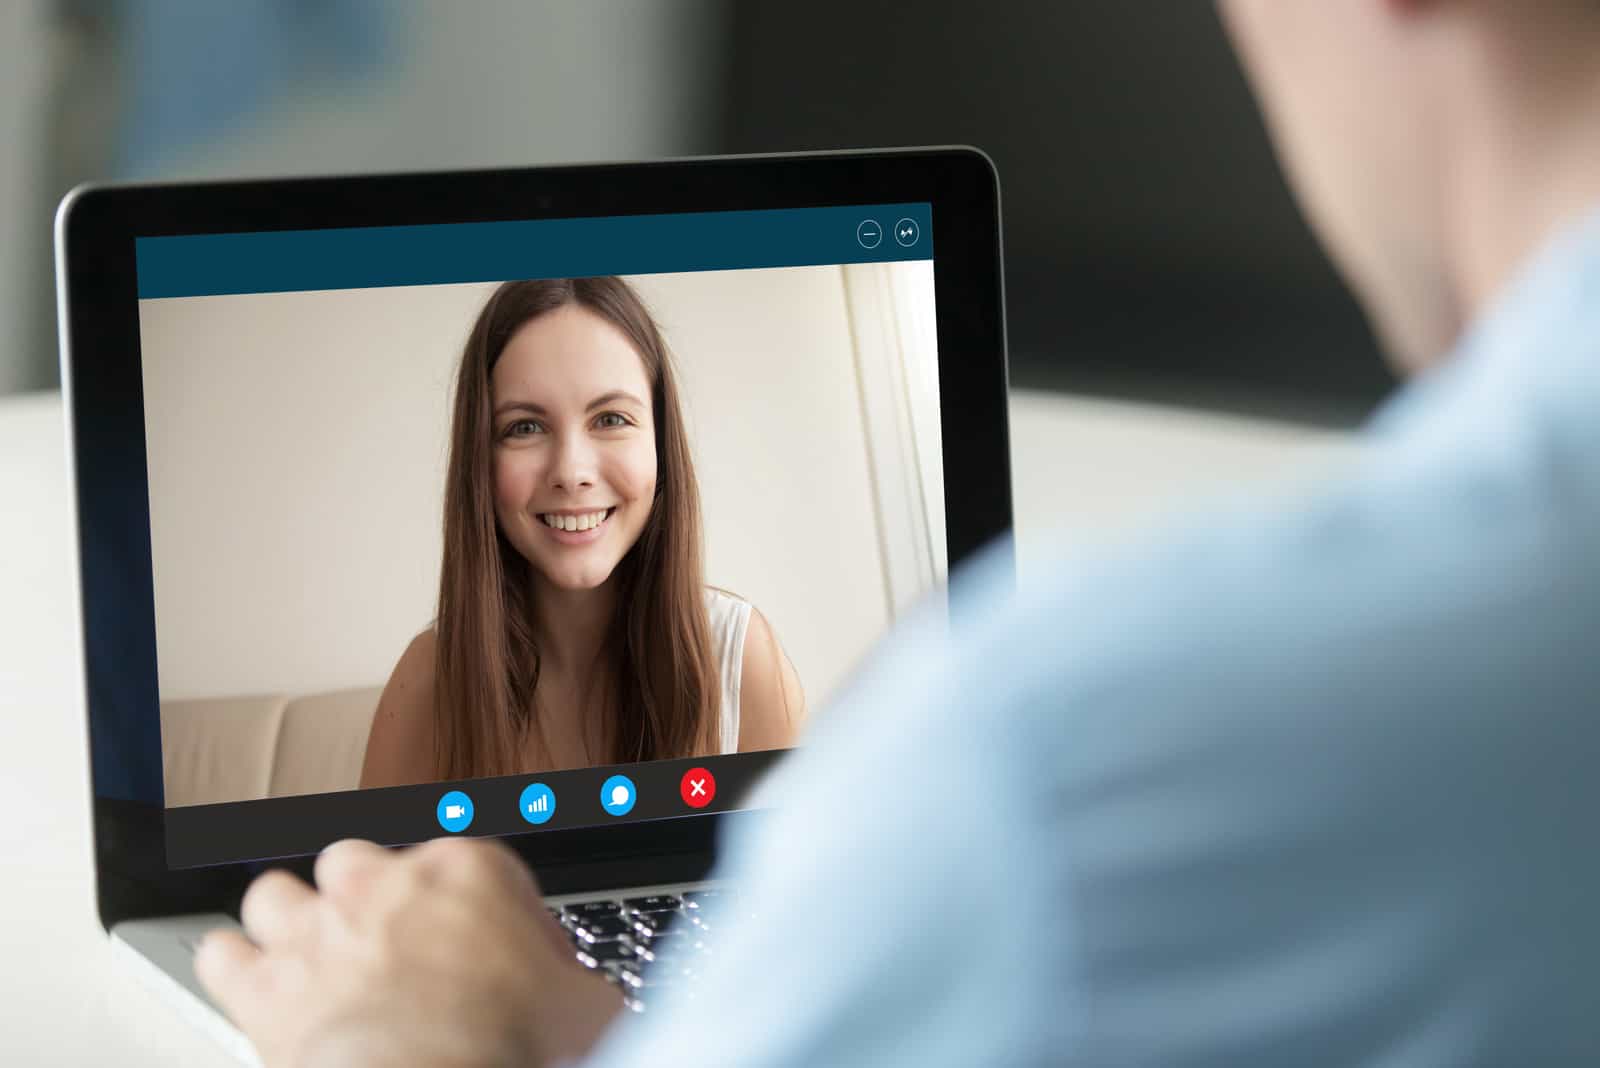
(878, 919)
(1302, 782)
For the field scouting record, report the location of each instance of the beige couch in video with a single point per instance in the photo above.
(244, 748)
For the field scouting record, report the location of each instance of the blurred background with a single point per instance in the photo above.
(1175, 332)
(1152, 250)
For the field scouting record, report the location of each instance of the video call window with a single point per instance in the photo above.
(408, 534)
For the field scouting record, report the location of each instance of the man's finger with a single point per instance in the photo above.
(277, 908)
(455, 860)
(227, 963)
(345, 870)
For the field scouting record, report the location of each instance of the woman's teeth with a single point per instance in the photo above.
(576, 522)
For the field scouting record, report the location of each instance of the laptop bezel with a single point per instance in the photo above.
(102, 384)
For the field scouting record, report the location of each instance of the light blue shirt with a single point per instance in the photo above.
(1308, 781)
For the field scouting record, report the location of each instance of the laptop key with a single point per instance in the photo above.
(599, 928)
(651, 924)
(653, 903)
(612, 950)
(640, 947)
(663, 939)
(582, 909)
(624, 972)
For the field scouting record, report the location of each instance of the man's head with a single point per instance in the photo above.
(1432, 143)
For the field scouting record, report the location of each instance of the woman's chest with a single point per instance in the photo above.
(566, 731)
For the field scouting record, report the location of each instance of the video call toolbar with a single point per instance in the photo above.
(514, 804)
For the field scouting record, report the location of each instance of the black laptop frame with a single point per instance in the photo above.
(102, 381)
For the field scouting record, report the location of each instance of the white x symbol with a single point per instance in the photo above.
(697, 787)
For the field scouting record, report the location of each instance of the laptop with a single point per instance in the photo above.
(367, 469)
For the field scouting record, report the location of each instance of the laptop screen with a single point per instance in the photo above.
(493, 528)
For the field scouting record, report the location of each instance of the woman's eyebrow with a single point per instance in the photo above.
(612, 397)
(518, 406)
(599, 402)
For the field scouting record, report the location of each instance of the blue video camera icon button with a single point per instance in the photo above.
(455, 812)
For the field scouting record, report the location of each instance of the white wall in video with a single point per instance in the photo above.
(299, 446)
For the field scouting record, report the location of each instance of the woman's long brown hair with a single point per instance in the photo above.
(662, 697)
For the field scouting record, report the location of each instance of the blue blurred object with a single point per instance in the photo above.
(1310, 781)
(196, 67)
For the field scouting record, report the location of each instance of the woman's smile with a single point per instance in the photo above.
(576, 528)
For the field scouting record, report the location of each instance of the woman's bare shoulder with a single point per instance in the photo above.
(772, 703)
(414, 669)
(400, 743)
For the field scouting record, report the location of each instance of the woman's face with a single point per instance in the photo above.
(574, 446)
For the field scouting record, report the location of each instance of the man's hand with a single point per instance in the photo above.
(442, 954)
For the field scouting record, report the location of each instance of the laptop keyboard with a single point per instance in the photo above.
(644, 944)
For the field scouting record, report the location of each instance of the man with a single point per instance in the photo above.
(1299, 783)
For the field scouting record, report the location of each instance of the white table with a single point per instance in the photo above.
(63, 998)
(1083, 470)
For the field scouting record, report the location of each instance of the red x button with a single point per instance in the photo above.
(697, 788)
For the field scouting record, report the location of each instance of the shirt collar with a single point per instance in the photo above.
(1538, 341)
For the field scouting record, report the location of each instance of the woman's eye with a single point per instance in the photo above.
(522, 428)
(611, 420)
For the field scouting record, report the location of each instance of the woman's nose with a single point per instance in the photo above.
(574, 465)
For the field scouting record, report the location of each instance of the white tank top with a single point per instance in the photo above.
(730, 621)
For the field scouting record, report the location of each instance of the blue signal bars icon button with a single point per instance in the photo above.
(537, 803)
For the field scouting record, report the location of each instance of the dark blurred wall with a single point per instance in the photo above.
(1152, 249)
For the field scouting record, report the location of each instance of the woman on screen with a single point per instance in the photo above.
(574, 626)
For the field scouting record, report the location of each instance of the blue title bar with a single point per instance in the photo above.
(361, 257)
